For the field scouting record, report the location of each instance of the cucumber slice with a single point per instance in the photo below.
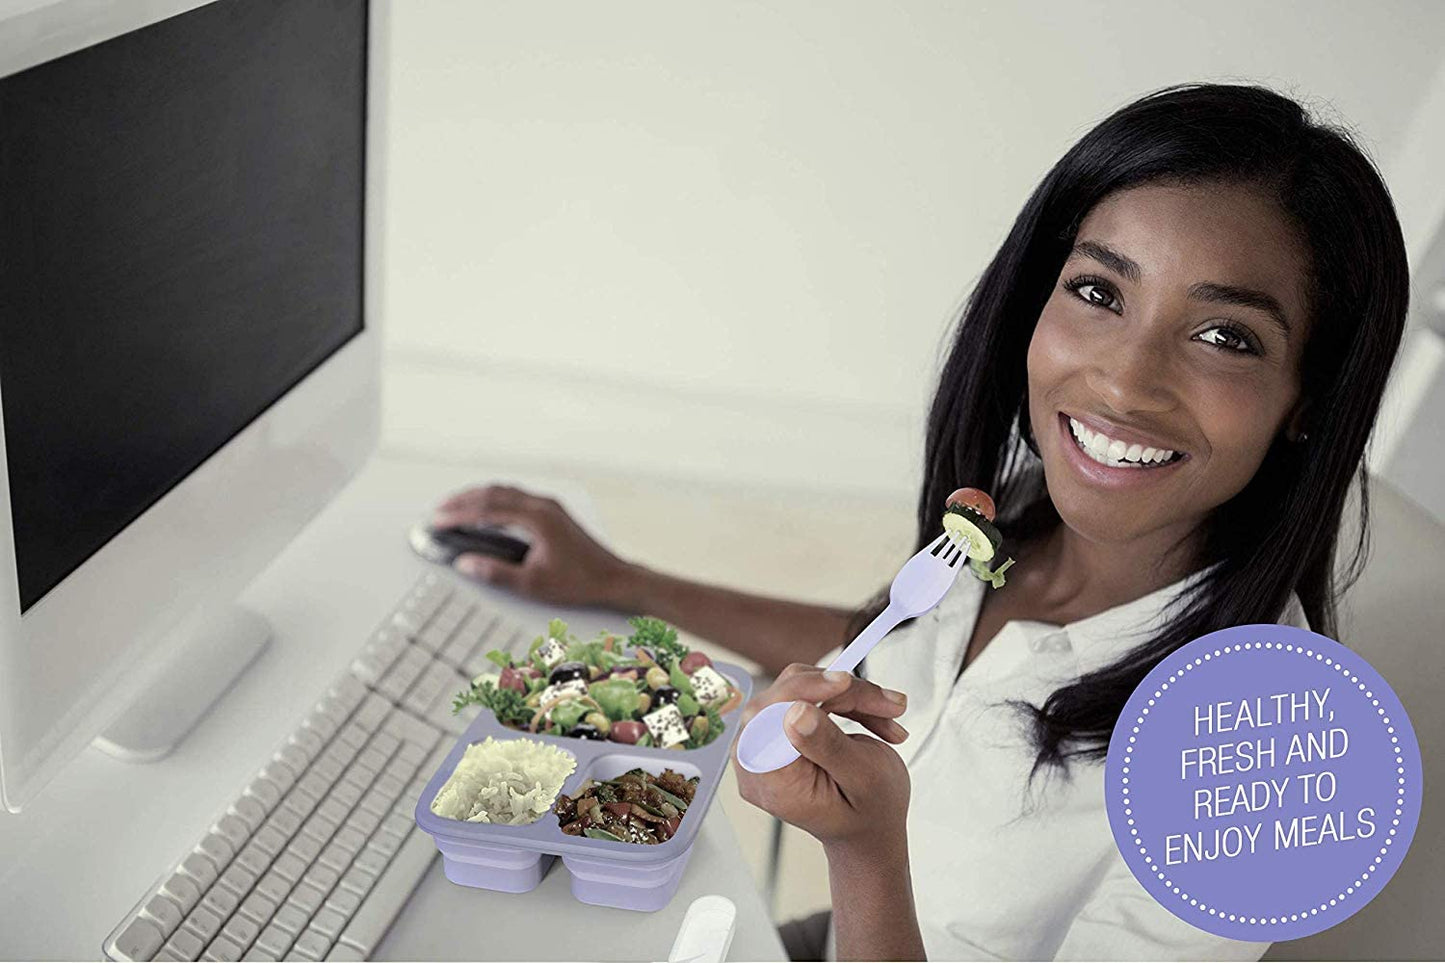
(980, 535)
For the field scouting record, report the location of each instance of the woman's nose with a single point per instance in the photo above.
(1131, 374)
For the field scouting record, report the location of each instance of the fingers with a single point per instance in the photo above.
(839, 692)
(499, 504)
(495, 571)
(819, 740)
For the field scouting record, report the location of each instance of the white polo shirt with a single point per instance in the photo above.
(996, 875)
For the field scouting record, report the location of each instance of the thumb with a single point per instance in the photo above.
(487, 568)
(819, 740)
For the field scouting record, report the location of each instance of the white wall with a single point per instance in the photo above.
(725, 240)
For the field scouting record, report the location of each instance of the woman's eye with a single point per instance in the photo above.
(1227, 339)
(1094, 293)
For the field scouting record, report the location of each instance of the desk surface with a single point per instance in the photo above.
(79, 858)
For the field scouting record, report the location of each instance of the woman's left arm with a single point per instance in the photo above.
(851, 792)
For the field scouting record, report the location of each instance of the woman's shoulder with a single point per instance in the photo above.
(1293, 613)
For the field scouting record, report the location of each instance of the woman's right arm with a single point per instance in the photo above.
(566, 566)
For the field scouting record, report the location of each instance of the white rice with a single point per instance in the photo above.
(512, 782)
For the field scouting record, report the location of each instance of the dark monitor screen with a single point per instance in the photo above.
(181, 215)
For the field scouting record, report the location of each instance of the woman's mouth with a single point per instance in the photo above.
(1119, 453)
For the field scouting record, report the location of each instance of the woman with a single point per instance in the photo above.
(1166, 377)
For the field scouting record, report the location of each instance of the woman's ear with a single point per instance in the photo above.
(1295, 429)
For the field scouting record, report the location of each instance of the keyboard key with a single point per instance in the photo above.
(281, 774)
(138, 941)
(384, 843)
(318, 827)
(185, 944)
(376, 802)
(398, 825)
(349, 840)
(285, 822)
(353, 736)
(222, 948)
(203, 923)
(311, 945)
(372, 710)
(343, 901)
(328, 769)
(258, 907)
(335, 857)
(183, 891)
(270, 841)
(274, 887)
(265, 792)
(234, 829)
(363, 821)
(256, 953)
(220, 901)
(304, 848)
(359, 881)
(294, 757)
(291, 919)
(242, 929)
(217, 848)
(308, 740)
(334, 811)
(308, 898)
(348, 794)
(321, 876)
(290, 866)
(200, 868)
(275, 939)
(313, 784)
(371, 861)
(349, 954)
(328, 922)
(347, 691)
(251, 812)
(360, 775)
(299, 803)
(253, 858)
(392, 890)
(238, 879)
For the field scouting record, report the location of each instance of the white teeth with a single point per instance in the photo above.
(1116, 453)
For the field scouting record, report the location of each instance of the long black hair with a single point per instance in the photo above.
(1279, 534)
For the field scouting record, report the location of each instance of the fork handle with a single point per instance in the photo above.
(849, 658)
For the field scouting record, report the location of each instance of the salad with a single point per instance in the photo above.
(636, 807)
(968, 518)
(645, 690)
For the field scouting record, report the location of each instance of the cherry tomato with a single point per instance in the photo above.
(972, 498)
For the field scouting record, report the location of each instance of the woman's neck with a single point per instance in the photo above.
(1073, 575)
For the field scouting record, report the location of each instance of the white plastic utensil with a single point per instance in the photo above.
(920, 584)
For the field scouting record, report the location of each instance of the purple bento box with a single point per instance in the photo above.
(513, 859)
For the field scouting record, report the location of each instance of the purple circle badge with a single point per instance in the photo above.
(1263, 783)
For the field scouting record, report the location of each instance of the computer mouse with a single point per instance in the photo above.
(443, 545)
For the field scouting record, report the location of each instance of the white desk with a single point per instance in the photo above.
(78, 858)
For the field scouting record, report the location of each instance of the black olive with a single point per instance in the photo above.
(585, 730)
(665, 696)
(568, 671)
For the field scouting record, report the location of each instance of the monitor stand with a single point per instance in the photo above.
(216, 651)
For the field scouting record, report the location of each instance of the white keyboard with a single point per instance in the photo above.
(318, 853)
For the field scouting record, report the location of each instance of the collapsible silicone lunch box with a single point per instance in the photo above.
(513, 859)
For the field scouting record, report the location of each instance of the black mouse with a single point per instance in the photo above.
(443, 545)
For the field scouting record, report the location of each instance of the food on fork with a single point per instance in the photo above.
(646, 690)
(968, 519)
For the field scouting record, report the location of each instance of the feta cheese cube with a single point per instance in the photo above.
(665, 726)
(552, 652)
(709, 686)
(572, 687)
(495, 678)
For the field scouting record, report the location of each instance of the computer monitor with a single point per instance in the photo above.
(190, 211)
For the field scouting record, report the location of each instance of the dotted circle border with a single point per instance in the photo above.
(1370, 868)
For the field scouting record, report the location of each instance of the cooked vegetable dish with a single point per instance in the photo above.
(636, 807)
(646, 690)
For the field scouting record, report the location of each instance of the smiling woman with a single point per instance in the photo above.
(1166, 378)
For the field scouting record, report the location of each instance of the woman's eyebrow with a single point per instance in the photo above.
(1202, 291)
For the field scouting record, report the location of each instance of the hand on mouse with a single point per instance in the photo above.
(564, 566)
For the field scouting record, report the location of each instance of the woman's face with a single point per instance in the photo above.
(1174, 332)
